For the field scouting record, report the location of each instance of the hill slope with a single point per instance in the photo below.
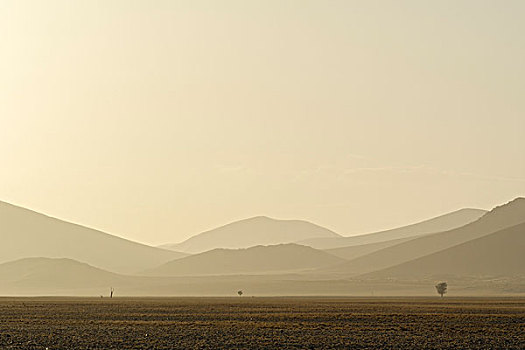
(64, 277)
(259, 230)
(46, 274)
(438, 224)
(260, 259)
(510, 214)
(25, 233)
(499, 254)
(355, 251)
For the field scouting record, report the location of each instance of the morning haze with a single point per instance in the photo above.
(264, 174)
(157, 121)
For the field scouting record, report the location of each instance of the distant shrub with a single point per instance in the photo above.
(442, 288)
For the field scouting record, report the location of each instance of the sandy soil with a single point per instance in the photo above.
(262, 323)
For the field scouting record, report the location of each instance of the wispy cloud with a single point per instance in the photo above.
(432, 171)
(399, 169)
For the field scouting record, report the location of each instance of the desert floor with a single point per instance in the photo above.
(262, 323)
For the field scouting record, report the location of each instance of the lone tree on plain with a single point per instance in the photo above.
(441, 288)
(240, 293)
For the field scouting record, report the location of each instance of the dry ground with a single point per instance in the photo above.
(262, 323)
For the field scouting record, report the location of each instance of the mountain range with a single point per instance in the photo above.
(495, 255)
(27, 234)
(480, 252)
(282, 258)
(259, 230)
(438, 224)
(499, 218)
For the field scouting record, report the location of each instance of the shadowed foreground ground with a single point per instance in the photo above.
(261, 323)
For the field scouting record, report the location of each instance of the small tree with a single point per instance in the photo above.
(441, 288)
(240, 293)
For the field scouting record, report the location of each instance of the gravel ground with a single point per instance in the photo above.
(262, 323)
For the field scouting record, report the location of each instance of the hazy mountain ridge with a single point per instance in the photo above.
(259, 230)
(31, 277)
(498, 254)
(440, 223)
(355, 251)
(26, 233)
(499, 218)
(259, 259)
(465, 256)
(55, 273)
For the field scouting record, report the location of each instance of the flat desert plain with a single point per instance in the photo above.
(262, 323)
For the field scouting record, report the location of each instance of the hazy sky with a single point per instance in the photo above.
(155, 120)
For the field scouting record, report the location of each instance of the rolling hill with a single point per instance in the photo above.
(355, 251)
(498, 254)
(25, 234)
(510, 214)
(65, 277)
(259, 259)
(46, 274)
(247, 233)
(438, 224)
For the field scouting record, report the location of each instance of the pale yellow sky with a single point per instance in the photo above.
(155, 120)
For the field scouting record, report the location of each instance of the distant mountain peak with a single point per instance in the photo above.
(261, 217)
(278, 258)
(266, 218)
(439, 223)
(499, 218)
(27, 233)
(258, 230)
